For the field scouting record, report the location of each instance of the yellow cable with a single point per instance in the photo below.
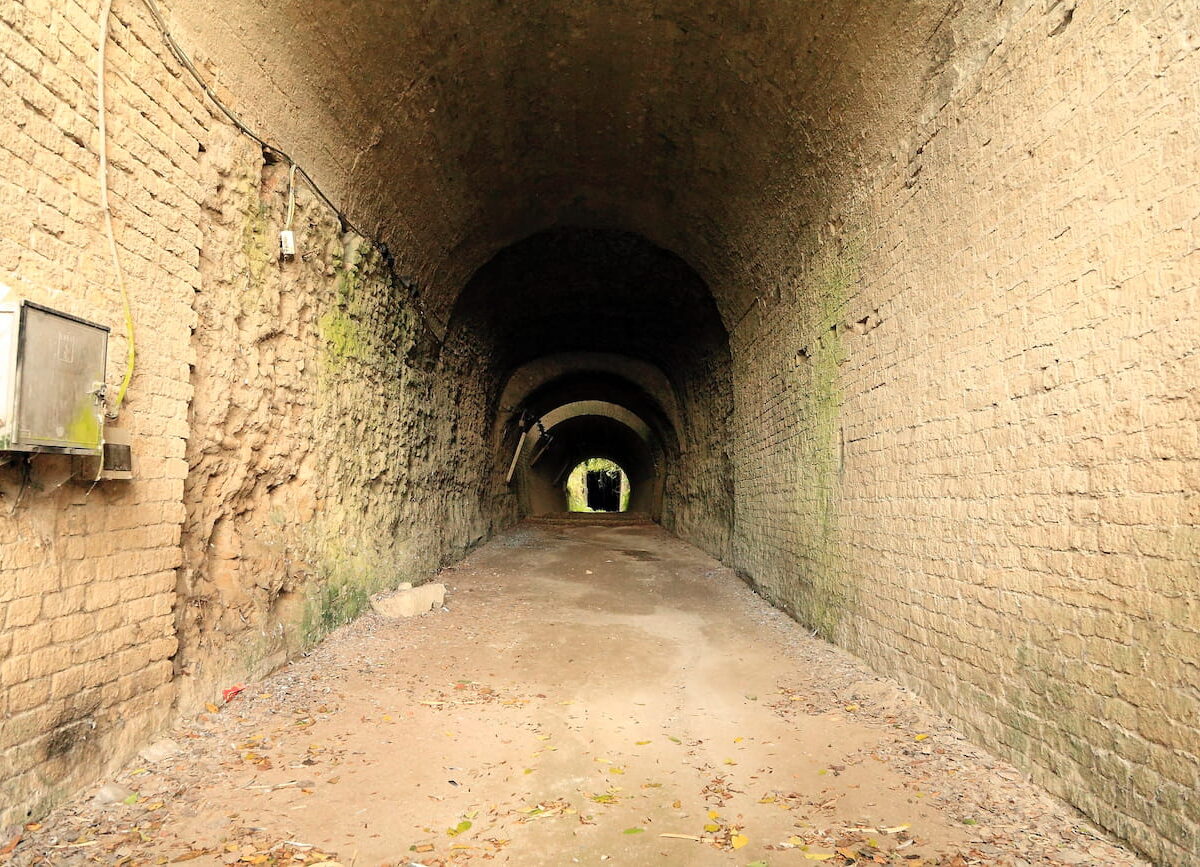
(106, 210)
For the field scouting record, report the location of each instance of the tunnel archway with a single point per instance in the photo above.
(582, 430)
(595, 342)
(978, 179)
(598, 485)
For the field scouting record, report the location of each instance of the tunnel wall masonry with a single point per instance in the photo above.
(318, 451)
(1015, 523)
(87, 574)
(269, 405)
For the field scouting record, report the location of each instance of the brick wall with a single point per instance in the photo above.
(333, 453)
(282, 416)
(971, 453)
(87, 575)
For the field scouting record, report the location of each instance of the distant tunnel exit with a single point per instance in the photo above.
(598, 485)
(604, 490)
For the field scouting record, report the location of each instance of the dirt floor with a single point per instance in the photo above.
(595, 691)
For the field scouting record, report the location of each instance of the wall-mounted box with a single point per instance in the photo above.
(52, 369)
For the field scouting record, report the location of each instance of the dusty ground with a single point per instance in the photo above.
(596, 692)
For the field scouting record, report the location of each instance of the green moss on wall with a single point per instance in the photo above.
(257, 245)
(341, 592)
(361, 323)
(823, 592)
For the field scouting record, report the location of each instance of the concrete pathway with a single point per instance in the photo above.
(597, 692)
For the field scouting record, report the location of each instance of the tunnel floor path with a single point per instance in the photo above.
(596, 691)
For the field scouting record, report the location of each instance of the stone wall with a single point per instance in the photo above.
(326, 459)
(295, 445)
(87, 574)
(971, 452)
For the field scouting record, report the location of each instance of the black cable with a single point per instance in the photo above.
(346, 224)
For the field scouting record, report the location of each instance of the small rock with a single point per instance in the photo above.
(408, 603)
(111, 793)
(160, 750)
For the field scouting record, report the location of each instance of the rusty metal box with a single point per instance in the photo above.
(51, 381)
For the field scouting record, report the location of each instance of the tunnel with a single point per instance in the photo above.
(597, 343)
(887, 308)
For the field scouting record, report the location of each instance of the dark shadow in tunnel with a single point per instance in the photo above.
(592, 435)
(575, 315)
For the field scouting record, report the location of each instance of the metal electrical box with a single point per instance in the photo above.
(51, 381)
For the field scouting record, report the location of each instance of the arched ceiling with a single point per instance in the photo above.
(564, 366)
(597, 408)
(723, 130)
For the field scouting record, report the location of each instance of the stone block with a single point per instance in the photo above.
(409, 602)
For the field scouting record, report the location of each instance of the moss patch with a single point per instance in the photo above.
(365, 316)
(822, 594)
(257, 246)
(341, 592)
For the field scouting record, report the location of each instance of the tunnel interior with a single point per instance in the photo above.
(888, 306)
(596, 343)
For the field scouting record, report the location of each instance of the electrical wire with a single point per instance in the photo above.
(291, 205)
(106, 211)
(347, 225)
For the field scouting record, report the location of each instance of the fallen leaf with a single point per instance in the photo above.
(461, 828)
(818, 856)
(738, 841)
(642, 743)
(634, 831)
(920, 737)
(210, 707)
